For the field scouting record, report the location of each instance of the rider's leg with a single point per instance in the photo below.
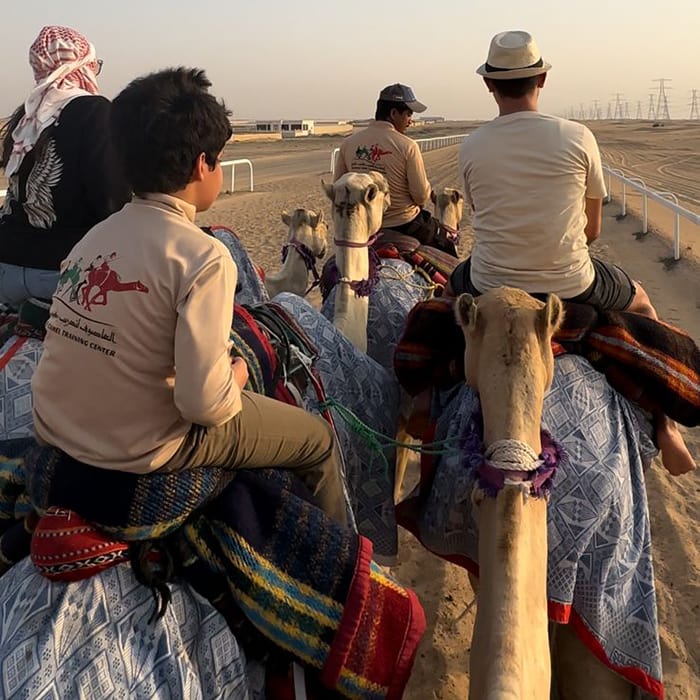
(271, 434)
(641, 304)
(675, 456)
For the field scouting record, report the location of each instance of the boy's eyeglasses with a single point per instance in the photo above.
(100, 63)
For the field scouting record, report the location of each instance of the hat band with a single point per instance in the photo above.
(493, 69)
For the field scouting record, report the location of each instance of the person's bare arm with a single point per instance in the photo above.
(594, 214)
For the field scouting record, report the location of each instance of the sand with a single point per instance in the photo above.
(288, 175)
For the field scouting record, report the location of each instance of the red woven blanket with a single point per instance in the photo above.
(662, 362)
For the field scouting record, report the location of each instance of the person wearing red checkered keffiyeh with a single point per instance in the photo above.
(63, 173)
(65, 67)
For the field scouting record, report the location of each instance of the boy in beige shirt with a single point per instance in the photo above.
(136, 373)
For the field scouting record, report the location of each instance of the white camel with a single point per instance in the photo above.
(449, 207)
(359, 202)
(509, 362)
(306, 243)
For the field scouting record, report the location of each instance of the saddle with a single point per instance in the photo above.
(435, 263)
(279, 353)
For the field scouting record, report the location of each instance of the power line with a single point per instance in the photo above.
(662, 99)
(694, 105)
(651, 114)
(618, 111)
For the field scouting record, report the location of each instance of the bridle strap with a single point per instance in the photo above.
(342, 243)
(452, 234)
(308, 258)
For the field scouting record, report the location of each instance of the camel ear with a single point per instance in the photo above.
(466, 311)
(329, 190)
(316, 220)
(433, 196)
(552, 315)
(286, 219)
(457, 196)
(371, 193)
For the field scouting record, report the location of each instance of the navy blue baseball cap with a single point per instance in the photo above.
(402, 93)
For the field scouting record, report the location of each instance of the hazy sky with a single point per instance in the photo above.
(327, 59)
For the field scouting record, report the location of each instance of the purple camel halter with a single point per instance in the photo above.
(452, 234)
(362, 288)
(307, 257)
(511, 462)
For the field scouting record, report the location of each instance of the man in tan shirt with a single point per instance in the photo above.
(383, 146)
(136, 373)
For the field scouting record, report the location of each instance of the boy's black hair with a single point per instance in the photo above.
(519, 87)
(162, 122)
(384, 108)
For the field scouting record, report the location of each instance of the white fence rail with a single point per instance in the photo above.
(425, 145)
(666, 199)
(225, 163)
(233, 164)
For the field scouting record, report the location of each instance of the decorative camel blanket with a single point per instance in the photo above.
(249, 541)
(660, 360)
(371, 392)
(600, 574)
(94, 639)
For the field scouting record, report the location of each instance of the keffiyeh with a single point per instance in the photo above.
(65, 67)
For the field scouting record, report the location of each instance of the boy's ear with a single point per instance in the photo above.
(200, 167)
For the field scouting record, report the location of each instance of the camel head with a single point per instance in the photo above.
(449, 206)
(508, 359)
(309, 229)
(359, 202)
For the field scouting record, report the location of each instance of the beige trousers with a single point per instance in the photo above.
(269, 433)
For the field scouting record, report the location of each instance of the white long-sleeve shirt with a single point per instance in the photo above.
(138, 341)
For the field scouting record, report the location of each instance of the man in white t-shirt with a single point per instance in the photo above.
(535, 184)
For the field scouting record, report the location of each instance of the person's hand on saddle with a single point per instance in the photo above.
(240, 371)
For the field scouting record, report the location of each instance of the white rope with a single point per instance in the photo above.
(400, 277)
(512, 455)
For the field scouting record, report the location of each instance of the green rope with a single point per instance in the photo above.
(378, 442)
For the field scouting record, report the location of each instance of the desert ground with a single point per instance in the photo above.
(288, 175)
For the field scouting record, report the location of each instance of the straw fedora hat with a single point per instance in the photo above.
(513, 55)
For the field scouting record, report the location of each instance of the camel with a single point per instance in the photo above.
(306, 243)
(449, 206)
(379, 298)
(509, 362)
(359, 202)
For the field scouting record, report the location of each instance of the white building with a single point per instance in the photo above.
(286, 127)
